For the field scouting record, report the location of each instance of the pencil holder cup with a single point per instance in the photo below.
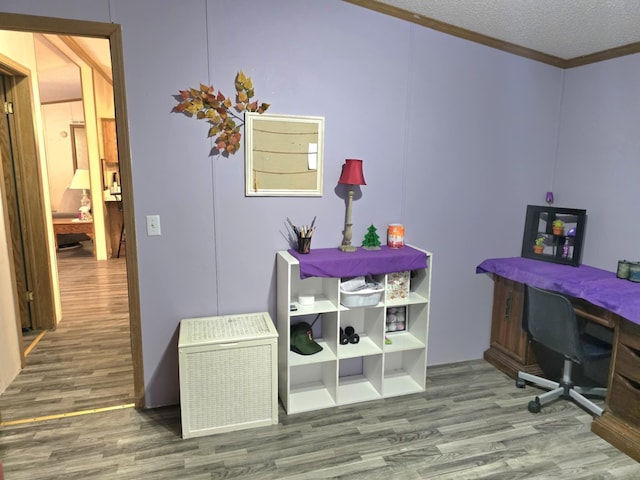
(304, 244)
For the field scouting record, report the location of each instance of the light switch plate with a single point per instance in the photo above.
(153, 225)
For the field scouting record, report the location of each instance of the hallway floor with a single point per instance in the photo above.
(86, 362)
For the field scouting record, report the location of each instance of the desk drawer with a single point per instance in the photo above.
(630, 334)
(628, 351)
(593, 312)
(624, 399)
(628, 362)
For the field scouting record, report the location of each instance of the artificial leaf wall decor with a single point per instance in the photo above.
(218, 110)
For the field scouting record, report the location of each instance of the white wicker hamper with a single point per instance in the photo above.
(228, 373)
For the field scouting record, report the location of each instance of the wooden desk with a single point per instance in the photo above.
(511, 351)
(72, 225)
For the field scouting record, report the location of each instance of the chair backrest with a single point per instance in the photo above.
(550, 320)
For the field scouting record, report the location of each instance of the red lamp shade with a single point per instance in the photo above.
(352, 172)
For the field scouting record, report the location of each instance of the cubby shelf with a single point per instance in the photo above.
(355, 372)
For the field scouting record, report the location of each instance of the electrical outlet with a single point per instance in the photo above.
(153, 225)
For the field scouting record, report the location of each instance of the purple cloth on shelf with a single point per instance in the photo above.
(332, 262)
(594, 285)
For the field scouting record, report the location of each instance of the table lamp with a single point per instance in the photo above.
(351, 175)
(81, 182)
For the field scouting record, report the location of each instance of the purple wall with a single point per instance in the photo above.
(598, 157)
(480, 147)
(456, 139)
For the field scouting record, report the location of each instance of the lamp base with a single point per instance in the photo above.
(347, 248)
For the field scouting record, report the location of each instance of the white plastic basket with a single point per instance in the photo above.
(365, 297)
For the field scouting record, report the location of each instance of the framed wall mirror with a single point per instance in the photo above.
(553, 234)
(79, 149)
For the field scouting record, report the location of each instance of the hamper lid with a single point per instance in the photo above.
(302, 339)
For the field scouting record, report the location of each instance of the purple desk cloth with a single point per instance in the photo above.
(331, 262)
(594, 285)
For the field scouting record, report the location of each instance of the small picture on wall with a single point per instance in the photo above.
(397, 319)
(284, 155)
(553, 234)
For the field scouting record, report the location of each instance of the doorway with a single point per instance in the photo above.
(112, 33)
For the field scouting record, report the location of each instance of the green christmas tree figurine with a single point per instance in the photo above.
(371, 239)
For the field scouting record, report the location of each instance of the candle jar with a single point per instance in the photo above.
(623, 269)
(634, 272)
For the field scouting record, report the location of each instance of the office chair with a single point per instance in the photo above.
(549, 319)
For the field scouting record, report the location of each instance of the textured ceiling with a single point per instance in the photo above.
(565, 29)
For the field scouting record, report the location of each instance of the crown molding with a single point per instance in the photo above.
(494, 42)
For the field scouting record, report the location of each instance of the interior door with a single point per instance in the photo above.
(12, 205)
(26, 229)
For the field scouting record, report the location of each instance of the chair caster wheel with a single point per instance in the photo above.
(534, 406)
(520, 383)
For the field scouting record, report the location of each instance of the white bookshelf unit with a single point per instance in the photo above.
(345, 374)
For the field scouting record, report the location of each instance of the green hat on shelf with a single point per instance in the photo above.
(302, 339)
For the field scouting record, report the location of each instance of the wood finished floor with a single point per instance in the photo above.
(86, 362)
(471, 423)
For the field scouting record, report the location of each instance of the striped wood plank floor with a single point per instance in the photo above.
(86, 362)
(471, 423)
